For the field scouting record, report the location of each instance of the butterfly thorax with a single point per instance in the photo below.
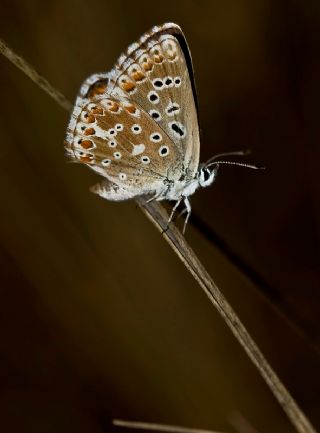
(186, 186)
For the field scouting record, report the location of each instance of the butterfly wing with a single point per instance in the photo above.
(156, 73)
(137, 125)
(120, 141)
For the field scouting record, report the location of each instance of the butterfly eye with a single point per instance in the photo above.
(206, 174)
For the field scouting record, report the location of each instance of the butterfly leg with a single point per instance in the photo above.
(154, 197)
(173, 210)
(172, 213)
(188, 210)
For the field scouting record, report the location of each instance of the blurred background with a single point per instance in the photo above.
(98, 317)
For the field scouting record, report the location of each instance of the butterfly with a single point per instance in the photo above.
(138, 127)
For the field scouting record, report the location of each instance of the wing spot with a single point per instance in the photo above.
(84, 157)
(132, 110)
(95, 110)
(164, 151)
(122, 176)
(138, 149)
(117, 155)
(155, 137)
(168, 81)
(153, 97)
(127, 85)
(86, 144)
(145, 159)
(89, 131)
(106, 162)
(112, 106)
(112, 132)
(157, 83)
(155, 115)
(136, 73)
(136, 129)
(157, 55)
(147, 64)
(172, 109)
(177, 81)
(170, 49)
(112, 143)
(88, 118)
(178, 129)
(119, 127)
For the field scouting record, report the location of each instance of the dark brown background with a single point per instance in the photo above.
(99, 319)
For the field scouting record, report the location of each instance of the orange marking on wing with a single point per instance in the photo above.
(131, 109)
(97, 89)
(158, 58)
(89, 118)
(97, 110)
(86, 159)
(86, 144)
(89, 131)
(114, 107)
(138, 76)
(147, 66)
(100, 89)
(128, 86)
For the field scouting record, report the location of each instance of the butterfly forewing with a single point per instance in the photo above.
(156, 76)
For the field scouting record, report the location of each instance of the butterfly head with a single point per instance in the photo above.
(206, 175)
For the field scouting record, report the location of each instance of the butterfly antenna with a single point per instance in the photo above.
(240, 164)
(234, 153)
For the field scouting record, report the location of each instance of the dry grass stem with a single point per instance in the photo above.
(20, 63)
(157, 214)
(158, 427)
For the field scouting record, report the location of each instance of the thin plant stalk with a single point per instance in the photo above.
(158, 427)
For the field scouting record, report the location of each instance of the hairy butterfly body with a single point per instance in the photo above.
(137, 125)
